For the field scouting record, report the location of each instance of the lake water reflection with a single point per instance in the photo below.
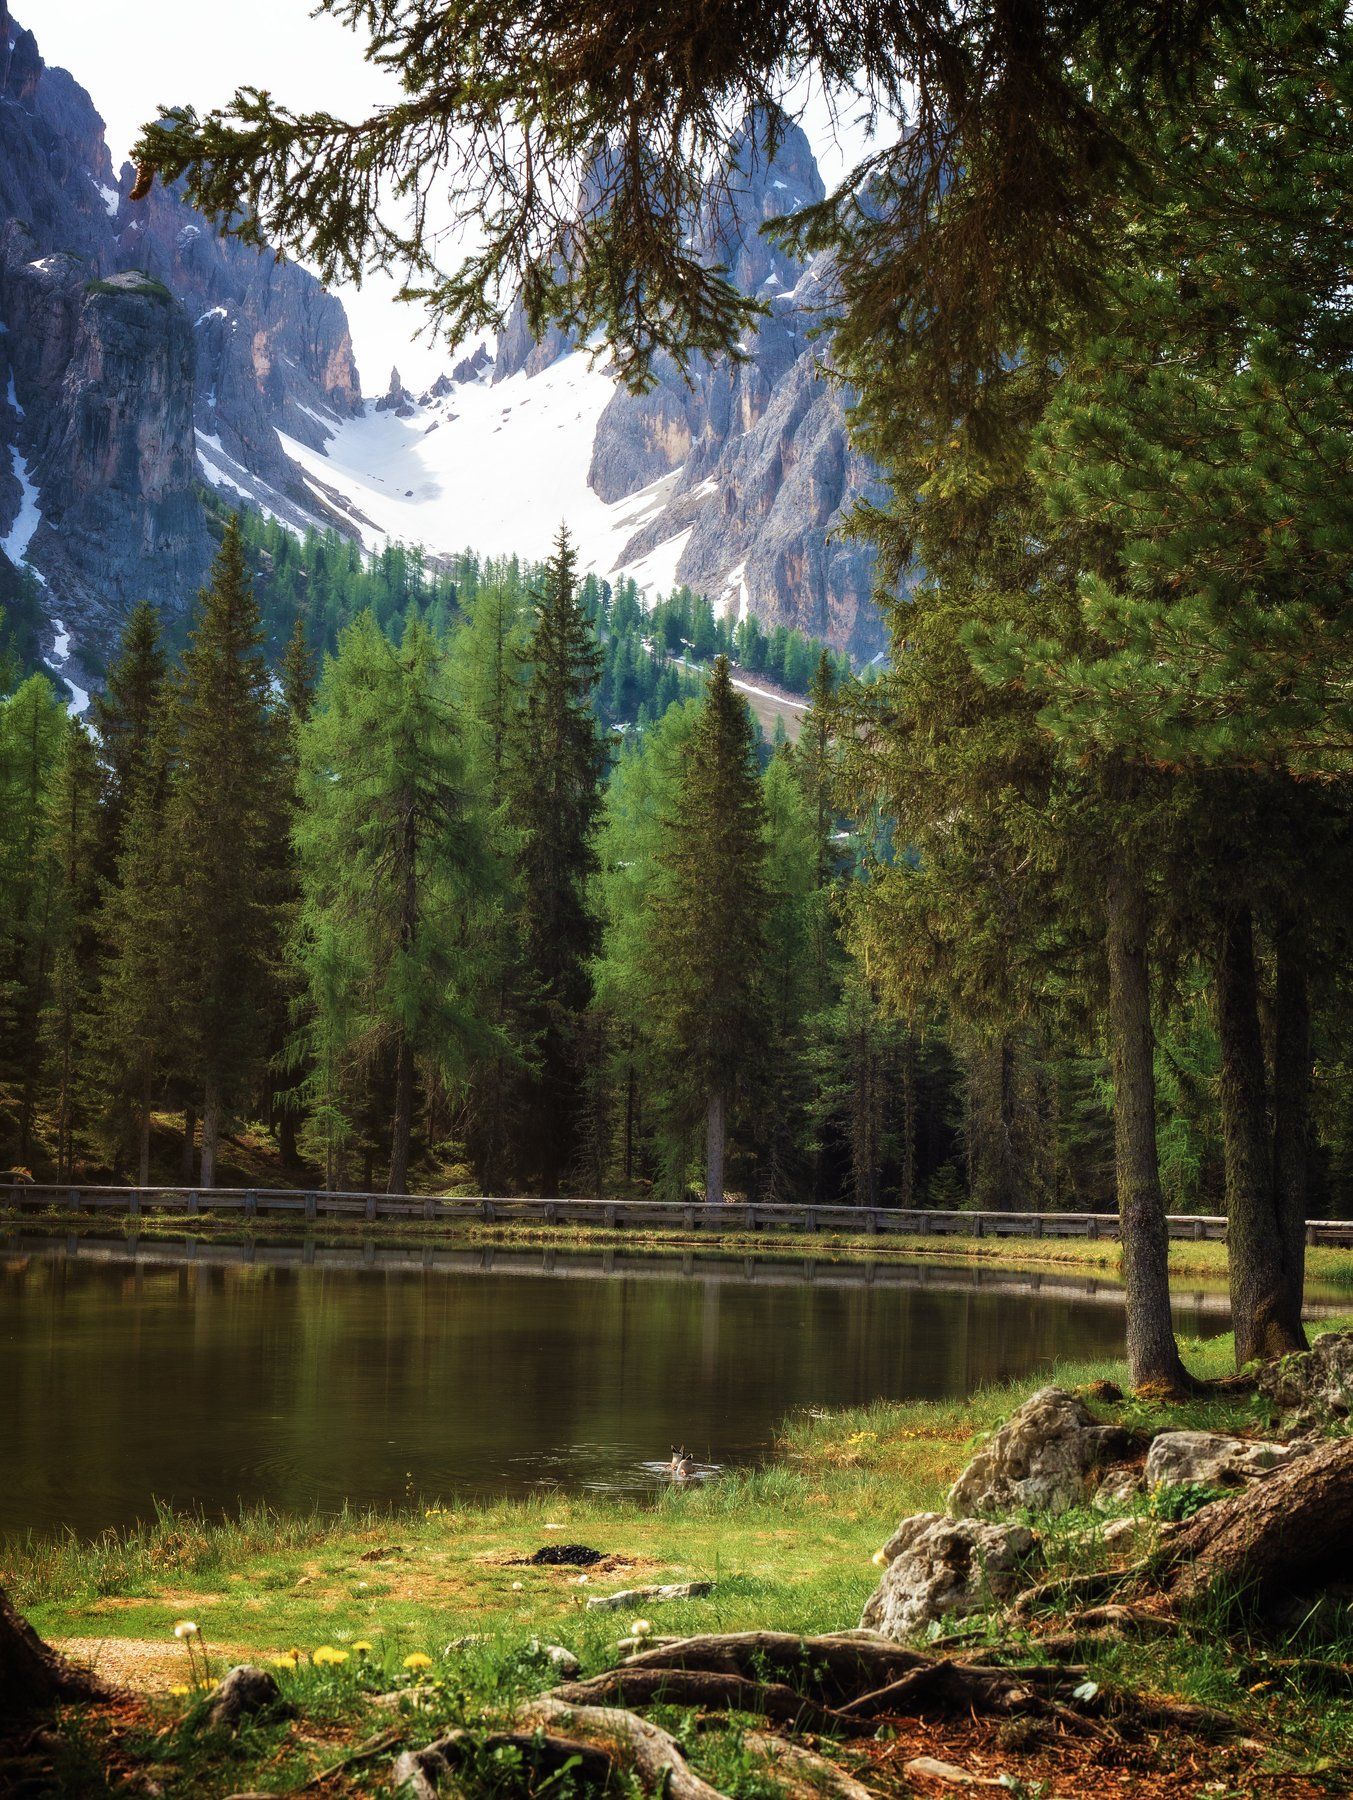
(206, 1374)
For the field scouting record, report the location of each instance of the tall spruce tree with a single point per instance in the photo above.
(221, 827)
(708, 933)
(126, 715)
(559, 761)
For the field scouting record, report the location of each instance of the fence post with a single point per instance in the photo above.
(371, 1206)
(871, 1222)
(608, 1218)
(251, 1203)
(136, 1203)
(429, 1209)
(311, 1206)
(192, 1201)
(73, 1200)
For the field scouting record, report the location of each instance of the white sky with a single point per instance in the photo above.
(136, 60)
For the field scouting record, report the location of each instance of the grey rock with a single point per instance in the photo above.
(674, 1590)
(1210, 1458)
(561, 1660)
(243, 1692)
(1316, 1383)
(1038, 1459)
(940, 1567)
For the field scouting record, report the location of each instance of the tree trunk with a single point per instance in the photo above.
(1260, 1314)
(1153, 1354)
(286, 1139)
(1292, 1121)
(188, 1154)
(143, 1134)
(32, 1675)
(1291, 1531)
(403, 1120)
(211, 1130)
(714, 1148)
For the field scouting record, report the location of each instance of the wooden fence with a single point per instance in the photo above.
(617, 1215)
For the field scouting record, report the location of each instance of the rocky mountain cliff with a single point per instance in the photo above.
(140, 352)
(751, 456)
(145, 360)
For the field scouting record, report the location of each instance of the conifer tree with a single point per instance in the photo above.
(71, 849)
(709, 920)
(32, 730)
(395, 879)
(221, 823)
(126, 715)
(559, 762)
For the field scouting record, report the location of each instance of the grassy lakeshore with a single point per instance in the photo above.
(1100, 1256)
(786, 1547)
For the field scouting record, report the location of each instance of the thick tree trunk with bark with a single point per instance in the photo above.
(32, 1675)
(714, 1149)
(1263, 1317)
(211, 1130)
(1153, 1354)
(1289, 1532)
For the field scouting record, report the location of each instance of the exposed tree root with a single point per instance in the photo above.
(1290, 1531)
(803, 1774)
(774, 1700)
(834, 1665)
(1063, 1590)
(651, 1753)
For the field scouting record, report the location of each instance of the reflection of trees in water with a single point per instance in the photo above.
(304, 1386)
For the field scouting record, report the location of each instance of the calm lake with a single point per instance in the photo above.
(203, 1374)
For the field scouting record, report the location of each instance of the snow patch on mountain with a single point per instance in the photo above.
(497, 468)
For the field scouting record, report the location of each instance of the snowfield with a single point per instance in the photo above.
(494, 469)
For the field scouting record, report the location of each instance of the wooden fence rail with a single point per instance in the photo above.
(738, 1216)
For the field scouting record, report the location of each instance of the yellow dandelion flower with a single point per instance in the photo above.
(284, 1662)
(361, 1646)
(327, 1654)
(418, 1661)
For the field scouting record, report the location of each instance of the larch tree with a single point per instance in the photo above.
(710, 908)
(226, 748)
(395, 874)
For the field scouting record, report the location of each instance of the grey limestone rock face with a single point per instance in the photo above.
(766, 471)
(940, 1567)
(1211, 1458)
(1317, 1382)
(135, 340)
(1038, 1459)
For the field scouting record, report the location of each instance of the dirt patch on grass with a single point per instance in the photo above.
(145, 1665)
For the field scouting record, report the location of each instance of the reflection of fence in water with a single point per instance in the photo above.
(582, 1265)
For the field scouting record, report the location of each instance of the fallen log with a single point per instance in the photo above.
(1292, 1531)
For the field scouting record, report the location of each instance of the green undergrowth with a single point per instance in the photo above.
(787, 1547)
